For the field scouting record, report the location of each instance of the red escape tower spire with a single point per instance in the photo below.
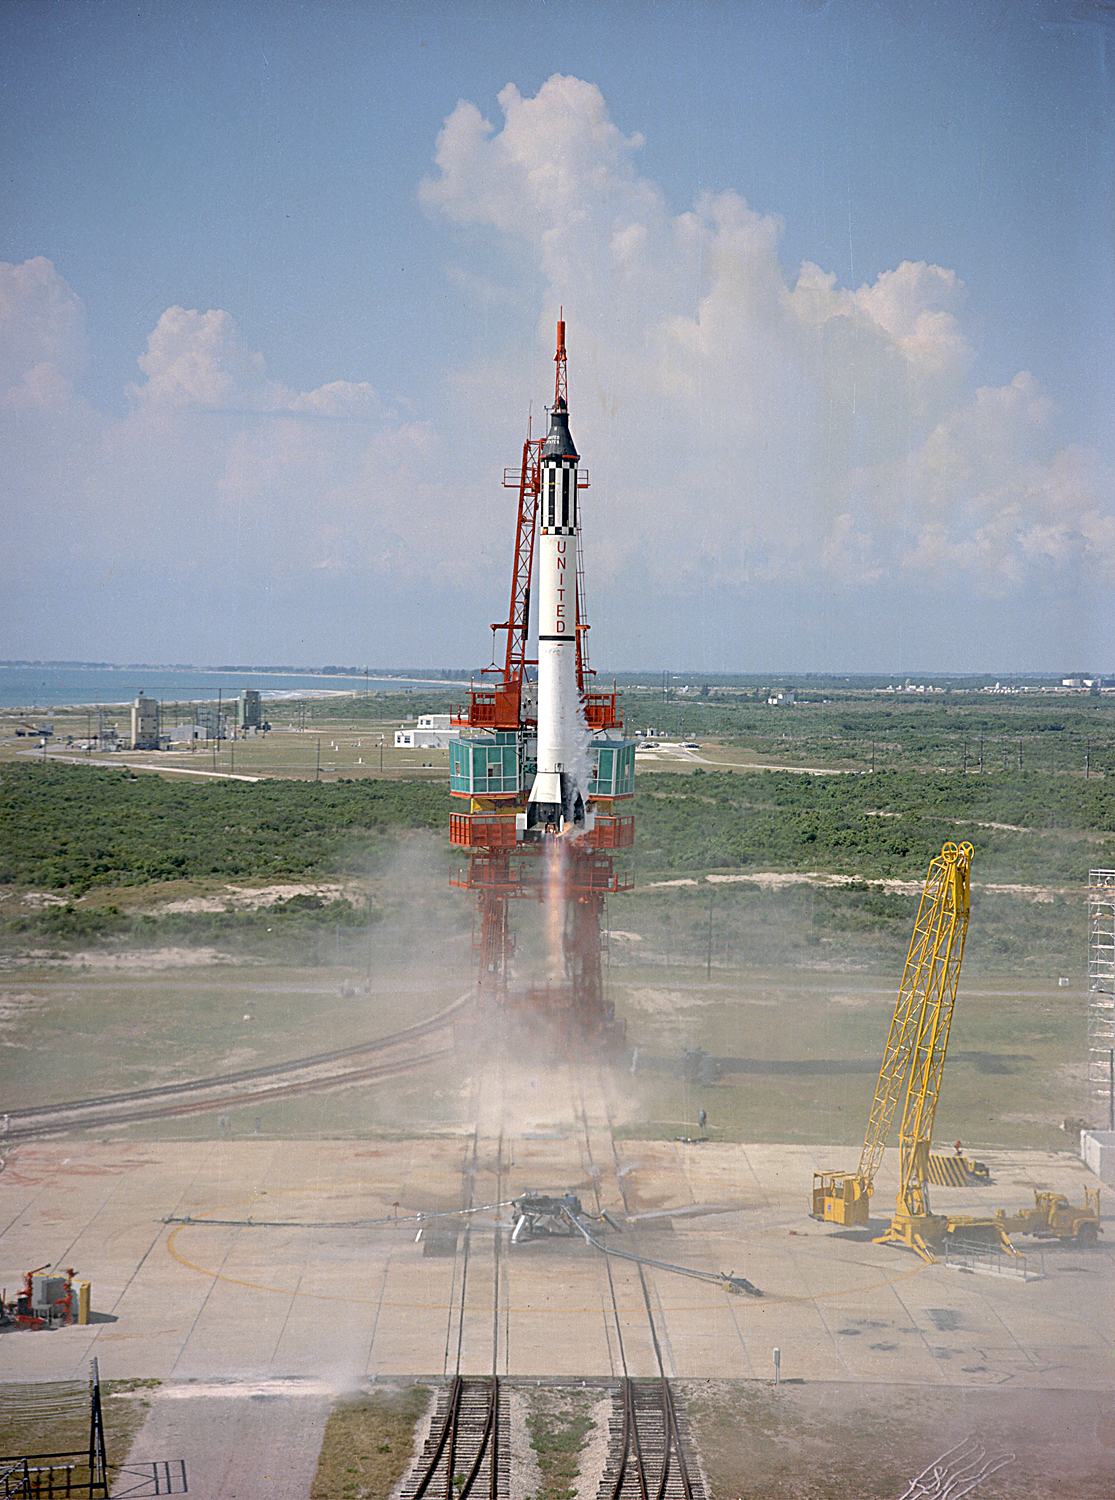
(542, 771)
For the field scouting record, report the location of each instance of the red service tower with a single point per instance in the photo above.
(542, 770)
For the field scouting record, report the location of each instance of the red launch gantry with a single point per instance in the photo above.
(543, 770)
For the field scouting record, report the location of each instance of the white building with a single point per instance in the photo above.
(432, 732)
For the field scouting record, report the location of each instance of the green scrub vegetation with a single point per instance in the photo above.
(70, 828)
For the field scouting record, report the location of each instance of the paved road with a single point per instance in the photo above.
(240, 1440)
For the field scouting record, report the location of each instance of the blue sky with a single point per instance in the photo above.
(280, 281)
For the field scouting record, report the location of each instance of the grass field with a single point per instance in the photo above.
(827, 1441)
(175, 922)
(303, 755)
(794, 1054)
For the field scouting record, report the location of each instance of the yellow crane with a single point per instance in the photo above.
(914, 1059)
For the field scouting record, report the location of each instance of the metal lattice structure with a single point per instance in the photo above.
(928, 990)
(913, 1060)
(938, 961)
(1101, 989)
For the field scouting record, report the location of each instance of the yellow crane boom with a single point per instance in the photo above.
(940, 949)
(913, 1059)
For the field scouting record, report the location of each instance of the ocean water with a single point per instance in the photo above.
(57, 685)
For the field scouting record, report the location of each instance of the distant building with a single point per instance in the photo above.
(248, 710)
(784, 698)
(145, 723)
(432, 732)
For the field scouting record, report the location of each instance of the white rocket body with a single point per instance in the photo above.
(556, 801)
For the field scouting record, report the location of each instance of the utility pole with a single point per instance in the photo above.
(317, 771)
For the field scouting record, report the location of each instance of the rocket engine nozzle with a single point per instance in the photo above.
(555, 805)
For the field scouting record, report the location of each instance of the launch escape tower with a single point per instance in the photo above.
(542, 770)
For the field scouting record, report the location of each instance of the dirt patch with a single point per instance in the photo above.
(134, 959)
(778, 880)
(829, 1440)
(252, 898)
(665, 1002)
(16, 1005)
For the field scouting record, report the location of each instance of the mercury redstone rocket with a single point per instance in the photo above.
(557, 799)
(542, 775)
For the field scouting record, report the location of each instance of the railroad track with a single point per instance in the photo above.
(649, 1452)
(382, 1058)
(465, 1453)
(647, 1449)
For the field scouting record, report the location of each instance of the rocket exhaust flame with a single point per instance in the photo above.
(557, 865)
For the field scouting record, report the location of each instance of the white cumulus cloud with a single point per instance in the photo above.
(810, 430)
(42, 335)
(218, 474)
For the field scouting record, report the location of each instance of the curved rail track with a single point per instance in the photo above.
(381, 1058)
(464, 1453)
(647, 1458)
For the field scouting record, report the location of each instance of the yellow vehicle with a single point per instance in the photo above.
(913, 1064)
(1054, 1217)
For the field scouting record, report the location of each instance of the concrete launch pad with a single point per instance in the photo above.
(330, 1283)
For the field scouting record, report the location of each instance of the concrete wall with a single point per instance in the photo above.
(1097, 1151)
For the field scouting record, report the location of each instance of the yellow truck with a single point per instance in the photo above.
(1054, 1217)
